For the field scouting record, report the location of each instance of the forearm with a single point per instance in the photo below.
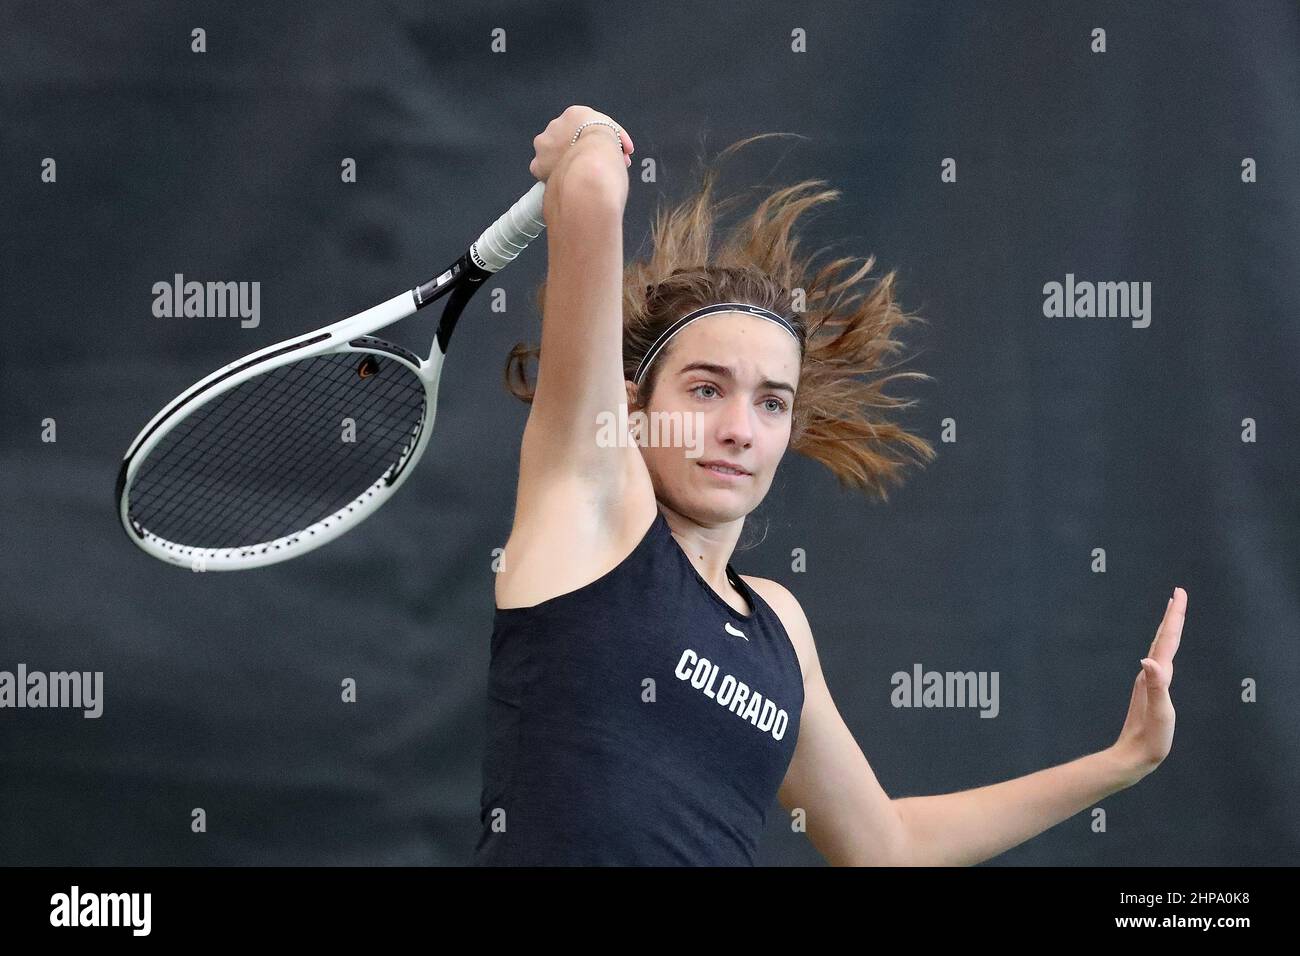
(968, 827)
(580, 368)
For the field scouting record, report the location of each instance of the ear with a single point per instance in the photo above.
(632, 390)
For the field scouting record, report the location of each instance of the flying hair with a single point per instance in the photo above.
(841, 416)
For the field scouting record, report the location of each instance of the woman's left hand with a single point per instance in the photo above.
(1148, 732)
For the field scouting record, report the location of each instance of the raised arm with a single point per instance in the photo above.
(580, 373)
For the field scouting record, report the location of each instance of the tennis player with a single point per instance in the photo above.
(646, 703)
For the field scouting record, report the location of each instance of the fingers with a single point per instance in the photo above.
(550, 144)
(1137, 701)
(624, 140)
(1156, 681)
(1158, 665)
(1169, 633)
(1159, 627)
(1172, 632)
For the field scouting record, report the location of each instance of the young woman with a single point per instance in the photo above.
(646, 703)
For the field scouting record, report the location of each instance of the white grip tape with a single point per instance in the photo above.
(511, 233)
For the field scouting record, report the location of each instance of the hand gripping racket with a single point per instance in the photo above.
(291, 446)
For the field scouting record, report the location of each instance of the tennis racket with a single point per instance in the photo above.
(285, 449)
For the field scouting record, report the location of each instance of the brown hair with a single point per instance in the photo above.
(835, 419)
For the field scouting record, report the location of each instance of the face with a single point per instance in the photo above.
(738, 372)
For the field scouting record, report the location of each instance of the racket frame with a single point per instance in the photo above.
(351, 335)
(497, 246)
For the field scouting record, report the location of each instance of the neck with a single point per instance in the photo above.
(709, 546)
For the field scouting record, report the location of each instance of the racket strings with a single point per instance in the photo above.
(219, 450)
(228, 428)
(216, 425)
(268, 458)
(277, 399)
(275, 393)
(244, 516)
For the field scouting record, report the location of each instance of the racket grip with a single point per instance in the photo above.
(511, 233)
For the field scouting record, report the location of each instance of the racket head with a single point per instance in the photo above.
(257, 463)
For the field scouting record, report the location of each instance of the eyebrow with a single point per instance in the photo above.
(723, 371)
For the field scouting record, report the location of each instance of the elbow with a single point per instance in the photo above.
(879, 849)
(902, 849)
(907, 849)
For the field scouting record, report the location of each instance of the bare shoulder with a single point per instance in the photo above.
(791, 613)
(568, 533)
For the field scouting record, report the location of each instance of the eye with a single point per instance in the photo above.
(696, 389)
(780, 405)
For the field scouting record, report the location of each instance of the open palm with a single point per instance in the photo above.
(1148, 732)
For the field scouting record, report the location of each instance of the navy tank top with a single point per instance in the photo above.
(637, 720)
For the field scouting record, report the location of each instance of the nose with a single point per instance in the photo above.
(736, 426)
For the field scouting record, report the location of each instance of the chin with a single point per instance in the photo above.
(717, 507)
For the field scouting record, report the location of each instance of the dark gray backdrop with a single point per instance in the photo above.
(222, 691)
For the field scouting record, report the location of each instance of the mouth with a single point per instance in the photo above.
(725, 470)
